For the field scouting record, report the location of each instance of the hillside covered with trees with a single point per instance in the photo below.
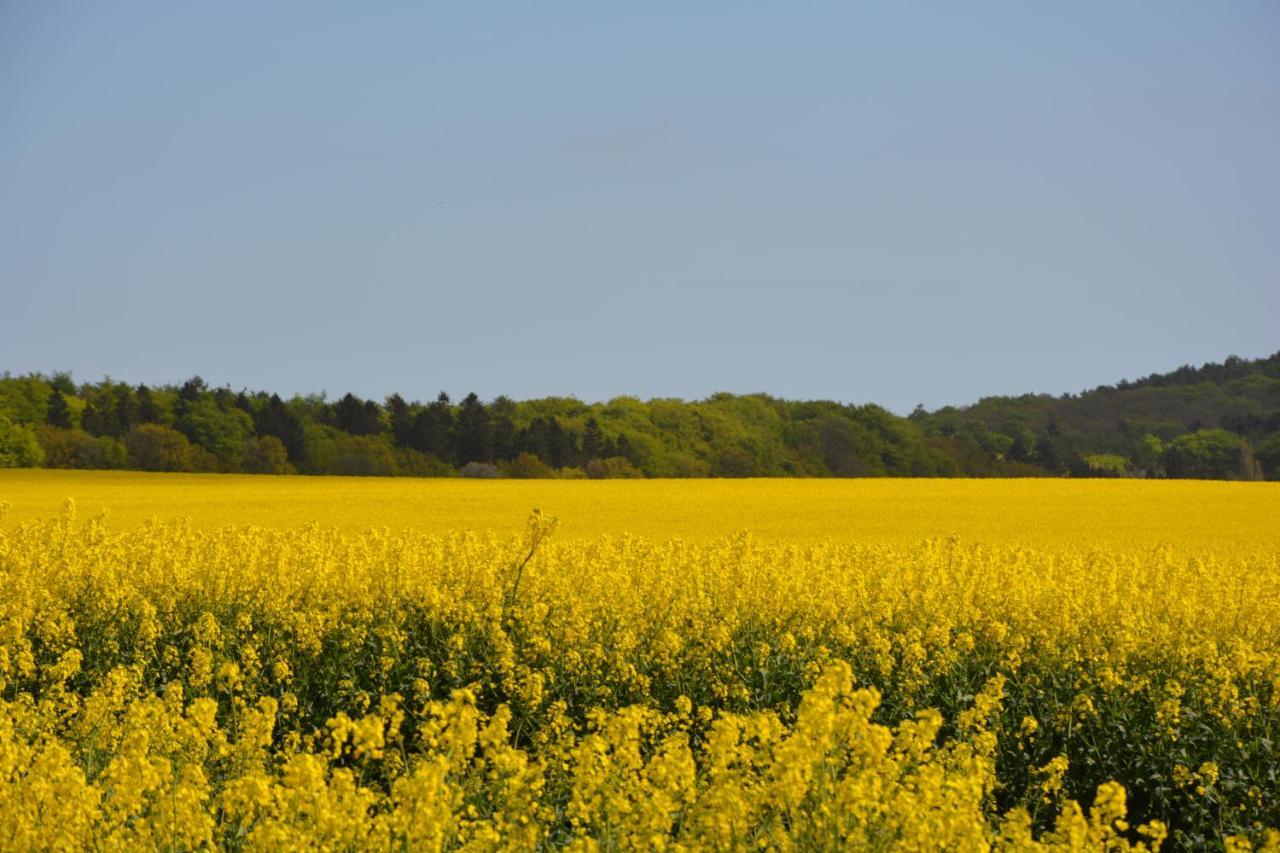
(1219, 421)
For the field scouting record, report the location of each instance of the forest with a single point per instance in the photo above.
(1217, 421)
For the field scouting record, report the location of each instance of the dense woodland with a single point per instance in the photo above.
(1219, 421)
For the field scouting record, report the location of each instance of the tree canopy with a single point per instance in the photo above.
(1215, 421)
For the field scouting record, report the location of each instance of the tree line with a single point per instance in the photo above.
(1216, 421)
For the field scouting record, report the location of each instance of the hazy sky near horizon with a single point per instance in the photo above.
(898, 203)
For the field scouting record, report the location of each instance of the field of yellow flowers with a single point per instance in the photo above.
(1007, 664)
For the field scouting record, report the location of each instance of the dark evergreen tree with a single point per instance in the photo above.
(433, 429)
(561, 446)
(98, 417)
(356, 416)
(1058, 452)
(190, 392)
(225, 398)
(533, 439)
(59, 412)
(126, 410)
(1023, 447)
(192, 389)
(625, 449)
(61, 381)
(275, 418)
(471, 437)
(502, 429)
(593, 440)
(148, 411)
(401, 416)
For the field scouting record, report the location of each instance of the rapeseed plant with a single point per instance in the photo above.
(164, 686)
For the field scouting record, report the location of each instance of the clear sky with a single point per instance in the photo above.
(894, 202)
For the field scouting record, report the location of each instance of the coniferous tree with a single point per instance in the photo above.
(471, 437)
(533, 439)
(433, 429)
(224, 397)
(593, 440)
(356, 416)
(98, 417)
(148, 411)
(126, 410)
(401, 417)
(502, 429)
(59, 412)
(190, 392)
(275, 418)
(61, 381)
(626, 450)
(561, 447)
(192, 389)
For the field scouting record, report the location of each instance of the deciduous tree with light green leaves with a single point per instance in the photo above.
(1204, 454)
(18, 445)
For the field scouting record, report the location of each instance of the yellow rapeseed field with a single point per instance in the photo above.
(1034, 512)
(817, 665)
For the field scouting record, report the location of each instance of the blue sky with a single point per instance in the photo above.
(897, 202)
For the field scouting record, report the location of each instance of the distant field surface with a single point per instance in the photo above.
(1077, 513)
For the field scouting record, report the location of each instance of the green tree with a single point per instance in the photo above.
(471, 438)
(613, 468)
(848, 450)
(1204, 454)
(125, 409)
(415, 463)
(1106, 464)
(110, 409)
(1022, 447)
(1148, 455)
(592, 440)
(624, 448)
(75, 448)
(275, 417)
(193, 389)
(152, 447)
(97, 417)
(25, 398)
(1268, 455)
(433, 428)
(148, 409)
(733, 462)
(60, 380)
(1059, 451)
(502, 429)
(562, 447)
(363, 456)
(527, 466)
(222, 432)
(401, 416)
(265, 454)
(356, 416)
(59, 414)
(19, 447)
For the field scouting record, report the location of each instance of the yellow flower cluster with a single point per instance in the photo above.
(295, 688)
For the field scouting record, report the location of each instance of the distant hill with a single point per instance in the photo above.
(1216, 421)
(1185, 409)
